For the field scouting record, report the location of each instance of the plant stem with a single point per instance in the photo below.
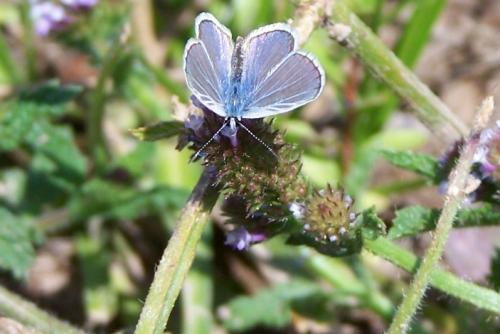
(381, 61)
(177, 258)
(28, 40)
(27, 313)
(339, 274)
(385, 65)
(454, 198)
(97, 106)
(7, 61)
(446, 282)
(197, 293)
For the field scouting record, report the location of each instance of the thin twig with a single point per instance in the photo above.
(454, 198)
(27, 313)
(177, 258)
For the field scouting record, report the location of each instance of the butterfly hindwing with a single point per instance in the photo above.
(263, 49)
(297, 80)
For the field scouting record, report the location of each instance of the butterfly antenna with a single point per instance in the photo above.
(208, 142)
(259, 140)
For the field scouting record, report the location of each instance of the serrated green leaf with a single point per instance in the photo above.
(486, 215)
(416, 219)
(16, 243)
(271, 307)
(421, 164)
(412, 220)
(158, 131)
(494, 277)
(371, 225)
(19, 117)
(57, 143)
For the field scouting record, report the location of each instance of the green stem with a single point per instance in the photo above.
(384, 64)
(340, 275)
(27, 313)
(197, 293)
(177, 258)
(7, 62)
(446, 282)
(454, 198)
(98, 104)
(28, 40)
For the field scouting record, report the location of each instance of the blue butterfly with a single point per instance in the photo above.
(260, 75)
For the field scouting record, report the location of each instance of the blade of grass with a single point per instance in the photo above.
(418, 30)
(177, 258)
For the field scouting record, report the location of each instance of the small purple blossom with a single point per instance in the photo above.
(47, 16)
(50, 15)
(80, 4)
(240, 238)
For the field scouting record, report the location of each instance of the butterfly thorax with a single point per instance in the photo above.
(234, 97)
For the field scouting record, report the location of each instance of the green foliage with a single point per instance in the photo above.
(371, 225)
(411, 220)
(113, 201)
(270, 307)
(418, 30)
(416, 219)
(345, 246)
(158, 131)
(35, 106)
(17, 235)
(421, 164)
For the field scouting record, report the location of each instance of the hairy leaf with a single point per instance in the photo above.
(371, 225)
(412, 220)
(421, 164)
(416, 219)
(158, 131)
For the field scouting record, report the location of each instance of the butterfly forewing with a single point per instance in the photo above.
(219, 45)
(202, 78)
(297, 80)
(263, 49)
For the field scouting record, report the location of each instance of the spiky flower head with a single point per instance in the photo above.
(328, 214)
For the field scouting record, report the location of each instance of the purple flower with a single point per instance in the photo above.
(47, 16)
(240, 238)
(50, 15)
(80, 4)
